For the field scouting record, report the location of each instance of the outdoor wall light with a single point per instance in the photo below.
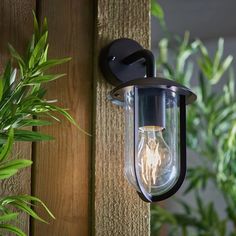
(155, 122)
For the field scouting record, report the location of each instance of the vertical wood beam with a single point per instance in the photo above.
(62, 167)
(117, 207)
(16, 27)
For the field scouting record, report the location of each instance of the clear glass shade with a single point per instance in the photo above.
(151, 139)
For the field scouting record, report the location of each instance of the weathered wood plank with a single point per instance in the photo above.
(117, 207)
(16, 27)
(61, 173)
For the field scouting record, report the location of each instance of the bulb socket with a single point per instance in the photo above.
(152, 105)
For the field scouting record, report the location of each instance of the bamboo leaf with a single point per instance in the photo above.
(38, 50)
(224, 66)
(45, 78)
(28, 122)
(202, 209)
(163, 51)
(8, 217)
(36, 27)
(29, 50)
(157, 10)
(68, 117)
(9, 168)
(35, 199)
(45, 26)
(7, 173)
(31, 136)
(186, 220)
(16, 55)
(28, 210)
(218, 54)
(187, 208)
(7, 147)
(13, 76)
(231, 82)
(12, 229)
(204, 90)
(6, 76)
(14, 164)
(50, 63)
(44, 55)
(1, 88)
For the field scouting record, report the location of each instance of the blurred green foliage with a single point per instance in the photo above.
(211, 134)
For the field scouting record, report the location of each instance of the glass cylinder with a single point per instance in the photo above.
(151, 139)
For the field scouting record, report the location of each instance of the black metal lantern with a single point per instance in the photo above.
(155, 119)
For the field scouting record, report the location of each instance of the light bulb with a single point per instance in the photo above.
(155, 161)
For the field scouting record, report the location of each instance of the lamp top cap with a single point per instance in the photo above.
(154, 82)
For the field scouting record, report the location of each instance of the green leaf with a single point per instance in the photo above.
(45, 78)
(10, 168)
(168, 71)
(192, 185)
(28, 122)
(204, 52)
(29, 50)
(163, 51)
(13, 229)
(163, 214)
(223, 67)
(13, 76)
(8, 217)
(6, 76)
(231, 82)
(1, 88)
(231, 213)
(184, 45)
(186, 220)
(7, 147)
(203, 86)
(185, 51)
(7, 173)
(36, 27)
(45, 26)
(15, 164)
(31, 136)
(218, 54)
(157, 10)
(50, 63)
(35, 199)
(205, 63)
(44, 55)
(16, 55)
(202, 209)
(187, 208)
(205, 68)
(28, 210)
(38, 50)
(67, 116)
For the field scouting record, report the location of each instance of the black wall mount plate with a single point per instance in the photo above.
(114, 69)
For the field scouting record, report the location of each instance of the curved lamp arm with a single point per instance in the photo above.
(147, 56)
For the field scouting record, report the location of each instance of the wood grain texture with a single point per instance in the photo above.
(61, 167)
(16, 27)
(118, 211)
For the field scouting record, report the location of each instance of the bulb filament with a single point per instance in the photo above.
(154, 156)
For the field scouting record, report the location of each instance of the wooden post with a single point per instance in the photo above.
(16, 27)
(117, 207)
(62, 167)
